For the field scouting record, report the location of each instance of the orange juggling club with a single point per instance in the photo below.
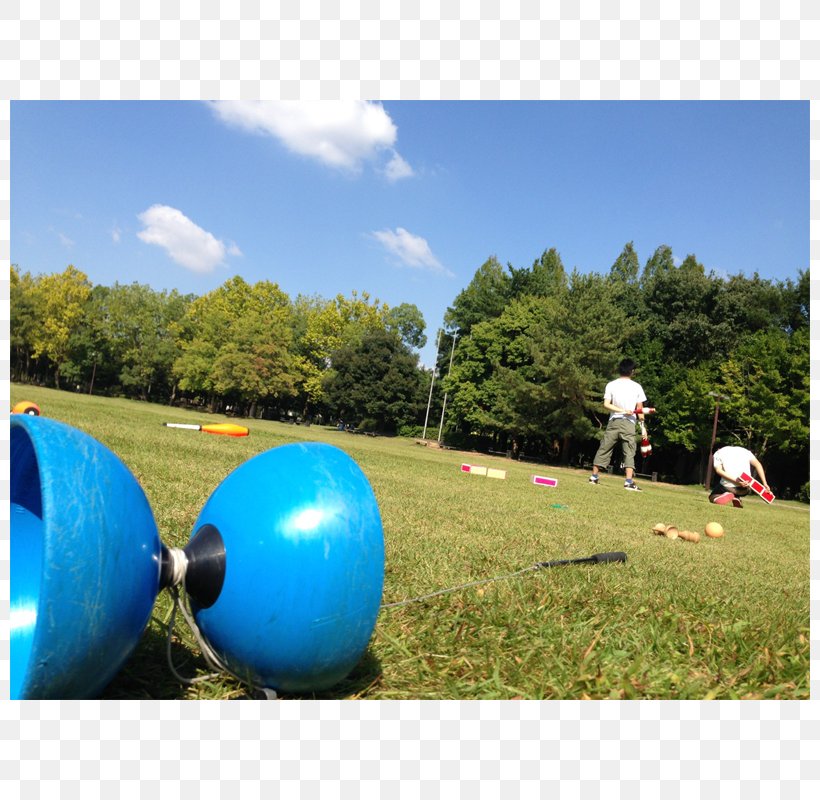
(224, 428)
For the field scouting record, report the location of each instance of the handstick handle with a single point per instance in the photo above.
(598, 558)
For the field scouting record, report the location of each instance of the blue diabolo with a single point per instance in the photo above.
(284, 569)
(304, 567)
(85, 561)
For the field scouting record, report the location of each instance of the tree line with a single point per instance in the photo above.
(534, 347)
(243, 348)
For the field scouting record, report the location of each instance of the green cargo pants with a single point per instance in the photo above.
(618, 430)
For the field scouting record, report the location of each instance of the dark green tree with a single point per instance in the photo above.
(796, 301)
(484, 298)
(491, 371)
(538, 371)
(680, 304)
(767, 382)
(627, 294)
(576, 354)
(660, 262)
(375, 382)
(546, 278)
(325, 326)
(626, 267)
(92, 361)
(746, 305)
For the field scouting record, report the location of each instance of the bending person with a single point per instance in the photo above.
(729, 463)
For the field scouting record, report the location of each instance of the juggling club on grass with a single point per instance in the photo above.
(223, 428)
(646, 446)
(757, 487)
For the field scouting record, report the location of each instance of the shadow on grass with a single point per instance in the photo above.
(147, 676)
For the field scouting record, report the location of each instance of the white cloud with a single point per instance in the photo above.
(116, 233)
(185, 242)
(397, 168)
(340, 134)
(411, 250)
(65, 241)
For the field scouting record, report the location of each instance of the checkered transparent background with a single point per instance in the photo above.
(484, 49)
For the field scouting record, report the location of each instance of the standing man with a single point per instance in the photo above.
(729, 462)
(624, 399)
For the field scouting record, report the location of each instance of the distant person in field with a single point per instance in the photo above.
(624, 399)
(729, 462)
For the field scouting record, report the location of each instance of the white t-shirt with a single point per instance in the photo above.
(624, 393)
(733, 460)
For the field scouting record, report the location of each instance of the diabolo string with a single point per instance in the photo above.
(179, 565)
(460, 586)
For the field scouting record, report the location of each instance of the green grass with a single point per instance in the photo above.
(725, 618)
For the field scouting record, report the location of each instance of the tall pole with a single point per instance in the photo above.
(452, 350)
(718, 398)
(432, 381)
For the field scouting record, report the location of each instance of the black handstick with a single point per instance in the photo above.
(598, 558)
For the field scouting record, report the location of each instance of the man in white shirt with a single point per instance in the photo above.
(624, 399)
(729, 462)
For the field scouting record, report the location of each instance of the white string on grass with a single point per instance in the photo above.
(181, 678)
(461, 586)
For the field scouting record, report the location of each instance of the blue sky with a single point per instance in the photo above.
(403, 200)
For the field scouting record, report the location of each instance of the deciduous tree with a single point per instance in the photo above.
(408, 322)
(59, 301)
(24, 320)
(328, 326)
(236, 344)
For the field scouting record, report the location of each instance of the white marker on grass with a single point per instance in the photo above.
(487, 472)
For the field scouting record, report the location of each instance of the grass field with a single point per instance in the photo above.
(725, 618)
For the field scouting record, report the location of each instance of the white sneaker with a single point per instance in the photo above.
(632, 486)
(593, 479)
